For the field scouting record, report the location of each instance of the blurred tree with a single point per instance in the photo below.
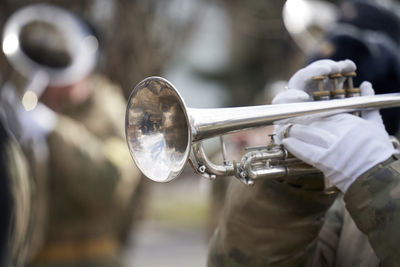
(260, 49)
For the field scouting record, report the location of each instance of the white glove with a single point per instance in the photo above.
(37, 123)
(301, 85)
(342, 146)
(295, 96)
(27, 125)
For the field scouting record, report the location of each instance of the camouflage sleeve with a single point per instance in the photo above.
(270, 224)
(89, 167)
(373, 201)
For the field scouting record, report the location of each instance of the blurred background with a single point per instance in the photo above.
(67, 69)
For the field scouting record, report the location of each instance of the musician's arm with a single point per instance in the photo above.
(269, 224)
(373, 201)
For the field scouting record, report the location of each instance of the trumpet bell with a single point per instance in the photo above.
(157, 129)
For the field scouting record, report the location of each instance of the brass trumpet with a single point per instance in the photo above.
(163, 134)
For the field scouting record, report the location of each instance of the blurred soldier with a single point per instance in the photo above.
(295, 222)
(136, 39)
(132, 34)
(368, 33)
(90, 185)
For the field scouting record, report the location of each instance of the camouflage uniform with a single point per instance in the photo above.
(281, 223)
(91, 183)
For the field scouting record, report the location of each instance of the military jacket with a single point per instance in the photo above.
(276, 223)
(91, 182)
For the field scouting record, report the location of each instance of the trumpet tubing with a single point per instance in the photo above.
(162, 132)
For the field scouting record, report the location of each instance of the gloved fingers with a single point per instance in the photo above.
(341, 66)
(338, 124)
(346, 66)
(326, 62)
(328, 128)
(306, 152)
(366, 89)
(305, 119)
(308, 134)
(302, 79)
(44, 117)
(290, 96)
(370, 115)
(312, 135)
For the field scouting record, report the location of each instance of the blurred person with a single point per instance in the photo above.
(368, 33)
(137, 38)
(295, 221)
(88, 192)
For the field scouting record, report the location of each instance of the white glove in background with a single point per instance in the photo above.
(342, 146)
(37, 123)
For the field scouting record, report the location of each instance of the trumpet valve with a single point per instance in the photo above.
(320, 81)
(335, 79)
(321, 94)
(338, 94)
(349, 76)
(351, 91)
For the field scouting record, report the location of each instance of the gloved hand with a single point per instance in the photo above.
(342, 146)
(301, 85)
(37, 123)
(26, 125)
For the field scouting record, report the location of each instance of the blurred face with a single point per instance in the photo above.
(58, 98)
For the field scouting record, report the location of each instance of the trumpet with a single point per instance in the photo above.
(163, 134)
